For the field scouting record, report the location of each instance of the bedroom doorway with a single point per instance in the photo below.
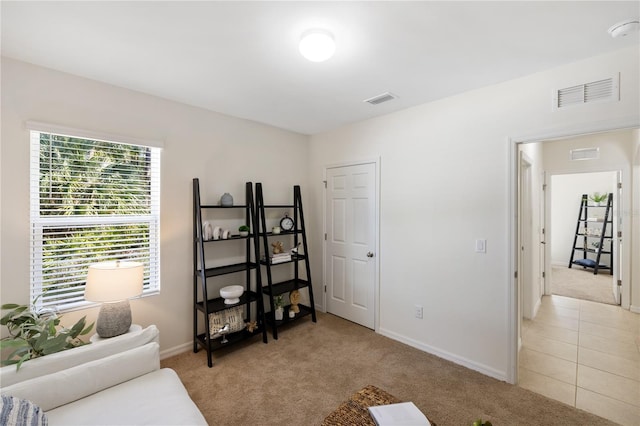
(566, 279)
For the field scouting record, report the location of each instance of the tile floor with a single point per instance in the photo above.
(584, 354)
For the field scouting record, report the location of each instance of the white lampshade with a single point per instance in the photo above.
(317, 45)
(114, 281)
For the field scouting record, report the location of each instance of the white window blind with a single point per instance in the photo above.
(91, 201)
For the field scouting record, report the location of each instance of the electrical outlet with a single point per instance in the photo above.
(418, 310)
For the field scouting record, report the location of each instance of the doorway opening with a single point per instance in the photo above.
(583, 232)
(564, 341)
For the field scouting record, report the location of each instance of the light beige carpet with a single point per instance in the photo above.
(312, 368)
(581, 283)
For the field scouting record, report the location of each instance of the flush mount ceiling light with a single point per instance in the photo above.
(624, 28)
(317, 45)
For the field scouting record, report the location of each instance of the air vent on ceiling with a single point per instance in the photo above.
(595, 91)
(381, 98)
(584, 154)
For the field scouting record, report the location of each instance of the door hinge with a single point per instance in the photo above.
(619, 283)
(325, 288)
(325, 183)
(543, 231)
(543, 274)
(515, 275)
(325, 236)
(619, 185)
(619, 234)
(544, 186)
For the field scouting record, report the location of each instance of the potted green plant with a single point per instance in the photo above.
(278, 301)
(599, 199)
(34, 334)
(244, 231)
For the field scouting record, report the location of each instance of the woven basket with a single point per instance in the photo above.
(233, 316)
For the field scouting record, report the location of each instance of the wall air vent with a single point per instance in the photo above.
(584, 154)
(381, 98)
(607, 89)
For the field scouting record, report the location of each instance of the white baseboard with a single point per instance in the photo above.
(481, 368)
(167, 353)
(635, 309)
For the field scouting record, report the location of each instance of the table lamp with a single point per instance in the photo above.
(113, 284)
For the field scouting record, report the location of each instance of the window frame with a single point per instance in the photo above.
(38, 222)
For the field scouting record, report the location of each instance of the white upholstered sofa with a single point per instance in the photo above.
(115, 381)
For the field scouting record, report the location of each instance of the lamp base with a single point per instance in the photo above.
(114, 319)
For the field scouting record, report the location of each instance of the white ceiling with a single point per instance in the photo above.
(241, 58)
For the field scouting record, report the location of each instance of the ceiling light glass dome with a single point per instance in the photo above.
(317, 45)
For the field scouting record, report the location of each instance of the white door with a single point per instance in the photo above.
(350, 257)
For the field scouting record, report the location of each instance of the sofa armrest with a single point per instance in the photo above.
(80, 355)
(60, 388)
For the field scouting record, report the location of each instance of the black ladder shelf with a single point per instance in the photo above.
(593, 243)
(271, 290)
(203, 304)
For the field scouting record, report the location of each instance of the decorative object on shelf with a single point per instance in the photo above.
(278, 302)
(226, 234)
(226, 200)
(275, 230)
(280, 258)
(286, 223)
(294, 250)
(231, 294)
(114, 283)
(277, 247)
(251, 326)
(292, 314)
(244, 231)
(207, 231)
(24, 324)
(232, 316)
(598, 198)
(294, 298)
(216, 233)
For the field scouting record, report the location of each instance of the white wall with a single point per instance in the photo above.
(224, 152)
(445, 181)
(566, 195)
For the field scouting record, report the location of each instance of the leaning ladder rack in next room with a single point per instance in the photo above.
(598, 240)
(273, 289)
(203, 304)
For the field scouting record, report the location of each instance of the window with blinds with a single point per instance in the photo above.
(91, 201)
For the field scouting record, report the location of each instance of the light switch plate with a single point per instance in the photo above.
(481, 246)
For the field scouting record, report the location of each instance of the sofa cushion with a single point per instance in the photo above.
(20, 412)
(59, 361)
(56, 389)
(157, 398)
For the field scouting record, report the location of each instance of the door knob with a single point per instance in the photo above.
(370, 254)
